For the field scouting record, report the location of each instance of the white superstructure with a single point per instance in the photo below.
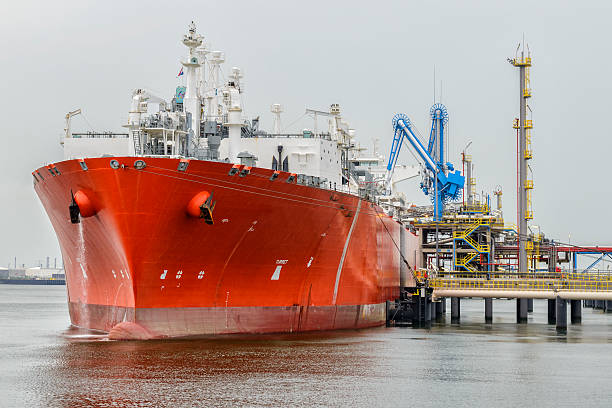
(205, 120)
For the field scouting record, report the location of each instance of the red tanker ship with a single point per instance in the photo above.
(176, 228)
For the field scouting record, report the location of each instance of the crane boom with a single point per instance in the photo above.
(69, 116)
(447, 183)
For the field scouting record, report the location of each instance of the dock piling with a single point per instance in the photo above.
(439, 309)
(455, 309)
(488, 310)
(426, 305)
(529, 305)
(576, 311)
(552, 311)
(561, 313)
(521, 310)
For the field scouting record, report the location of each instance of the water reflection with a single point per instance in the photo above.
(229, 371)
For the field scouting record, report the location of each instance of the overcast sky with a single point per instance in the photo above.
(373, 58)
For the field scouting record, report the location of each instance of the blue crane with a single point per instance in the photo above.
(440, 179)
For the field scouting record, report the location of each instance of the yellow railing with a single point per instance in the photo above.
(479, 208)
(516, 124)
(509, 275)
(588, 285)
(464, 261)
(469, 229)
(465, 235)
(528, 124)
(482, 248)
(524, 62)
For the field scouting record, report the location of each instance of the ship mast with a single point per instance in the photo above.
(192, 104)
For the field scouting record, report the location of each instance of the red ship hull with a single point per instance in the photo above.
(278, 257)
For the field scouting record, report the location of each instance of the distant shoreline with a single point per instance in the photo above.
(32, 281)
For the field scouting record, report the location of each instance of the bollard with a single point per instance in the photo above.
(521, 310)
(552, 311)
(561, 314)
(576, 311)
(455, 309)
(488, 310)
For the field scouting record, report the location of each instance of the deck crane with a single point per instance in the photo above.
(440, 179)
(68, 118)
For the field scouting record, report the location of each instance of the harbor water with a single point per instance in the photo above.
(46, 363)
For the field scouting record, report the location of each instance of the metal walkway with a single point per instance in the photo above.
(548, 285)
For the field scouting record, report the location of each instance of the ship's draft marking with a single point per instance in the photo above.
(163, 275)
(346, 244)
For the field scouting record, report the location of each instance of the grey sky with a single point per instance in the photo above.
(373, 58)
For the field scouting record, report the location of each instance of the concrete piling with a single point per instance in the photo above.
(433, 310)
(488, 310)
(608, 306)
(552, 311)
(455, 309)
(576, 311)
(521, 310)
(426, 310)
(440, 308)
(561, 313)
(529, 305)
